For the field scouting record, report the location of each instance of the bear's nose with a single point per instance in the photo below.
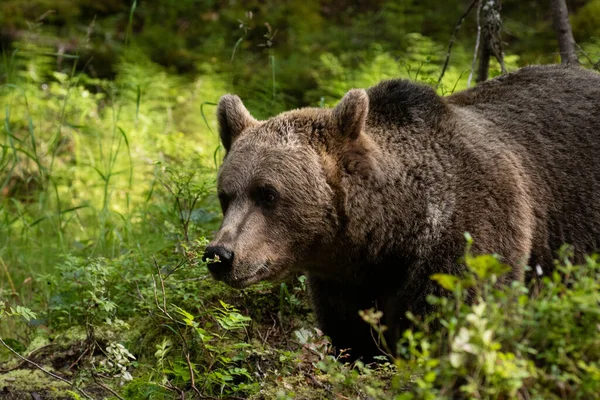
(224, 262)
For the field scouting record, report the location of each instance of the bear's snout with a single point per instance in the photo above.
(220, 260)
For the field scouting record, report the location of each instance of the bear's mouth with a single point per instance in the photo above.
(263, 272)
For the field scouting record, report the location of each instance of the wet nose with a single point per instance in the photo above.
(224, 256)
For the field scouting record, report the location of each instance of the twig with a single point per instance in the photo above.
(79, 358)
(452, 39)
(210, 365)
(283, 330)
(12, 285)
(379, 342)
(192, 380)
(108, 389)
(268, 331)
(180, 265)
(316, 382)
(164, 311)
(45, 370)
(162, 286)
(476, 51)
(202, 278)
(156, 294)
(594, 65)
(172, 388)
(20, 364)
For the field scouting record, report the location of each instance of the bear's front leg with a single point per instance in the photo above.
(336, 305)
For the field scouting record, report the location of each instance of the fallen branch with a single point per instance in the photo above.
(21, 363)
(108, 389)
(53, 375)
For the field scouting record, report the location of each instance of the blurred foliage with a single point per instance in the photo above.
(233, 38)
(108, 157)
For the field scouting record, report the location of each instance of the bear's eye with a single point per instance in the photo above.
(265, 196)
(224, 199)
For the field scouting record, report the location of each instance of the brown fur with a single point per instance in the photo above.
(375, 195)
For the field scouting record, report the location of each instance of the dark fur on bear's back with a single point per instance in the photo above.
(558, 137)
(377, 193)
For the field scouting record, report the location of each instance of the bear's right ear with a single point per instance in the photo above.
(233, 119)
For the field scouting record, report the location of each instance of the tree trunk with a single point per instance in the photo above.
(491, 38)
(564, 34)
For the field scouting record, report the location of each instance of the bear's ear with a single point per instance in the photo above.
(357, 153)
(233, 119)
(350, 114)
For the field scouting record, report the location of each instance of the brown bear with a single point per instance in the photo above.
(372, 197)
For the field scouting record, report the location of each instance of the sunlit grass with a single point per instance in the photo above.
(82, 159)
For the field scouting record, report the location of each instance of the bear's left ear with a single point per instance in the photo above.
(357, 153)
(233, 119)
(350, 114)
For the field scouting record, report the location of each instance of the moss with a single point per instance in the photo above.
(292, 387)
(22, 381)
(39, 341)
(71, 335)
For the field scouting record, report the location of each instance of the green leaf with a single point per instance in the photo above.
(429, 377)
(449, 282)
(23, 312)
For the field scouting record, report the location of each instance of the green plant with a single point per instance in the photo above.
(505, 342)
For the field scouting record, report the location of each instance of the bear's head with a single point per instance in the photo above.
(280, 186)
